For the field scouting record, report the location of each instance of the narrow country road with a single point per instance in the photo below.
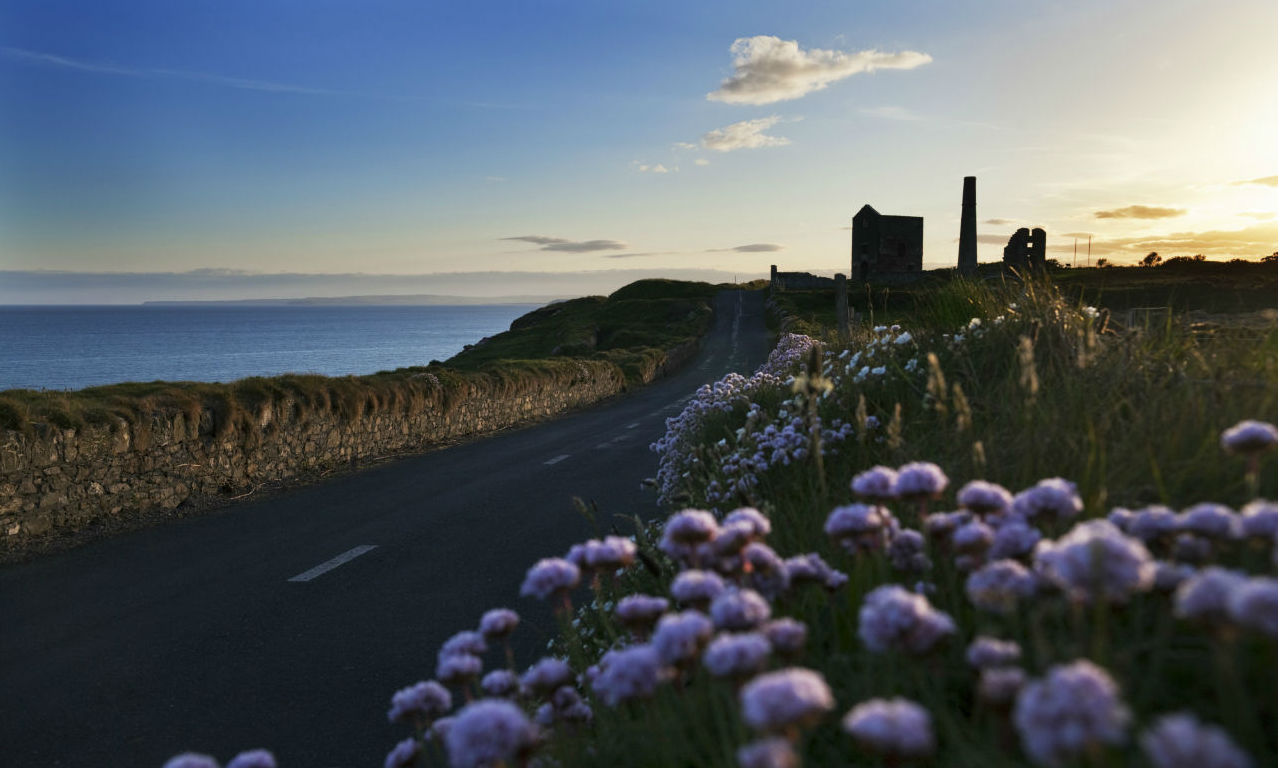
(288, 622)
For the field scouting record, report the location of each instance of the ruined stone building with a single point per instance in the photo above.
(1025, 249)
(797, 281)
(886, 246)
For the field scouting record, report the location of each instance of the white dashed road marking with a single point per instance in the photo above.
(329, 565)
(633, 426)
(556, 459)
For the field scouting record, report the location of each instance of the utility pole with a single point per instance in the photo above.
(1090, 249)
(1074, 243)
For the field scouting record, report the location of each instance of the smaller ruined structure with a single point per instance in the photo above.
(797, 281)
(1025, 249)
(886, 247)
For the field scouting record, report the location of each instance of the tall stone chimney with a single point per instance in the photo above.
(968, 261)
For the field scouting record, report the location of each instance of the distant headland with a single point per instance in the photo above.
(411, 300)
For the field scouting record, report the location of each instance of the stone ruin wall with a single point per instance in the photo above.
(63, 479)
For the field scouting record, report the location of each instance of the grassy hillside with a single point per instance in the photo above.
(630, 330)
(1207, 286)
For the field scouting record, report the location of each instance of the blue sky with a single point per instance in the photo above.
(416, 138)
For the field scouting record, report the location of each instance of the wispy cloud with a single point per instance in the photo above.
(1140, 212)
(748, 134)
(702, 161)
(1264, 215)
(749, 248)
(767, 69)
(892, 113)
(1264, 181)
(1000, 222)
(548, 243)
(64, 62)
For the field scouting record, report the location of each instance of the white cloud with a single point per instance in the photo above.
(748, 134)
(685, 145)
(768, 69)
(656, 168)
(702, 161)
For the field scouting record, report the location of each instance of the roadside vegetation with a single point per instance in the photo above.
(628, 333)
(1000, 531)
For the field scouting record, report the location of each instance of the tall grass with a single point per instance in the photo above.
(1026, 385)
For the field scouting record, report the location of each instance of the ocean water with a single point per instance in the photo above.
(74, 347)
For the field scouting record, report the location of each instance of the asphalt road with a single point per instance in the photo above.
(206, 634)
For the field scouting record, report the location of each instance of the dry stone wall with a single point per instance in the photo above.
(54, 479)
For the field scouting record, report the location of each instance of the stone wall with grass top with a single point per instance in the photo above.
(55, 479)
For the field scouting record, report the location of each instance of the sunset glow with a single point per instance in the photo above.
(402, 139)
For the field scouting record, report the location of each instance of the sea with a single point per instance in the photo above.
(72, 347)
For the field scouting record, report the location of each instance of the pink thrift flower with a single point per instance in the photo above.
(739, 609)
(1074, 708)
(488, 732)
(999, 686)
(1012, 540)
(892, 727)
(891, 618)
(987, 651)
(498, 623)
(680, 636)
(458, 668)
(1095, 561)
(788, 698)
(464, 642)
(423, 701)
(736, 655)
(628, 674)
(694, 587)
(760, 526)
(546, 675)
(254, 758)
(692, 526)
(906, 551)
(640, 612)
(1258, 520)
(1053, 497)
(550, 576)
(973, 538)
(1252, 604)
(1152, 523)
(878, 484)
(786, 635)
(984, 498)
(191, 760)
(1212, 521)
(1249, 437)
(813, 569)
(1181, 741)
(1206, 596)
(500, 684)
(920, 479)
(998, 586)
(775, 752)
(403, 754)
(858, 526)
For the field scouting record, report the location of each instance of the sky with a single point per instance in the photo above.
(324, 139)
